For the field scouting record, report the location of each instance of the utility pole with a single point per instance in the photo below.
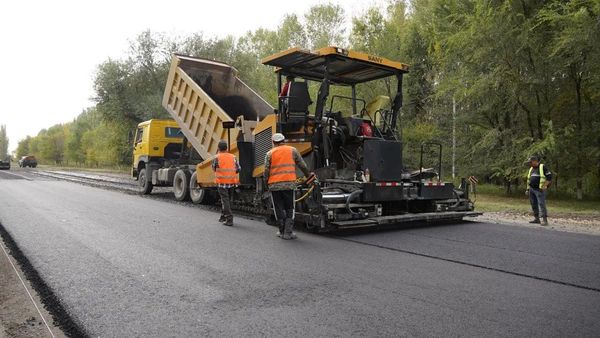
(453, 137)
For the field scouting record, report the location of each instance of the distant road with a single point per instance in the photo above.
(125, 265)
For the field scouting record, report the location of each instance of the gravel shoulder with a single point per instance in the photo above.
(577, 223)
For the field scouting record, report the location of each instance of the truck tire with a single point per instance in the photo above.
(144, 186)
(181, 185)
(197, 194)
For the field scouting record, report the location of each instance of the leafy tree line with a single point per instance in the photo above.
(3, 142)
(506, 79)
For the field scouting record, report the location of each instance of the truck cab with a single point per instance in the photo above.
(156, 141)
(163, 157)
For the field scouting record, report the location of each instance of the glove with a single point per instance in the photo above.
(527, 192)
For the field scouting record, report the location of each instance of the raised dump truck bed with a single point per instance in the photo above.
(201, 94)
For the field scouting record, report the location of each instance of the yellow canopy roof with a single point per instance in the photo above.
(343, 66)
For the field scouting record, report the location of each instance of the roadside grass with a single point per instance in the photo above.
(493, 198)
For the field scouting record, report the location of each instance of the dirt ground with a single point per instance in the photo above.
(18, 316)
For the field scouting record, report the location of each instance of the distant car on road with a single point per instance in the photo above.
(5, 164)
(28, 161)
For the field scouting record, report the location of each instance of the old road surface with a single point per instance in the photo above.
(124, 265)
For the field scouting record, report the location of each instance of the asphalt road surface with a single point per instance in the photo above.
(124, 265)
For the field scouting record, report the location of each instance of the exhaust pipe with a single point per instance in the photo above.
(351, 197)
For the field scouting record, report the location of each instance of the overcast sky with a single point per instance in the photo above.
(50, 49)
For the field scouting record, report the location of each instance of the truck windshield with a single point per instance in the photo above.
(173, 132)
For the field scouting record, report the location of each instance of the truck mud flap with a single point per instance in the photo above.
(405, 218)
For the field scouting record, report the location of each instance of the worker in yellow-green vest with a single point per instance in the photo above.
(539, 178)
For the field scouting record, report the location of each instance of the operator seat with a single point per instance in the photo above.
(298, 102)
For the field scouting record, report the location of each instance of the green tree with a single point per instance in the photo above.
(325, 26)
(575, 28)
(131, 91)
(291, 33)
(3, 142)
(23, 147)
(80, 125)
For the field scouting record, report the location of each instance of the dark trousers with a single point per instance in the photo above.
(537, 198)
(283, 204)
(225, 194)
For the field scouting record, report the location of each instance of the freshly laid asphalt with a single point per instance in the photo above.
(124, 265)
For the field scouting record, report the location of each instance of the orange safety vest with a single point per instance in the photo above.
(226, 172)
(283, 167)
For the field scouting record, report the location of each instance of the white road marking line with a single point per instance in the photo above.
(21, 176)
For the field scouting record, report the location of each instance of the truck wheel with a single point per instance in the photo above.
(181, 185)
(144, 187)
(197, 194)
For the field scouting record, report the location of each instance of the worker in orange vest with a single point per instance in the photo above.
(280, 174)
(226, 168)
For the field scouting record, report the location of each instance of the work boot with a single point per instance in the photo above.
(289, 229)
(544, 221)
(280, 225)
(536, 220)
(228, 221)
(222, 218)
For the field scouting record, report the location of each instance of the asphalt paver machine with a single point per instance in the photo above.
(352, 146)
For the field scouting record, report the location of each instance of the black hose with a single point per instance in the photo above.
(457, 199)
(340, 132)
(350, 198)
(342, 190)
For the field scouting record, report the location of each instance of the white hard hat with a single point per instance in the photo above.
(278, 137)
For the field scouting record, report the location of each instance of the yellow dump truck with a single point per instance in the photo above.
(200, 95)
(353, 146)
